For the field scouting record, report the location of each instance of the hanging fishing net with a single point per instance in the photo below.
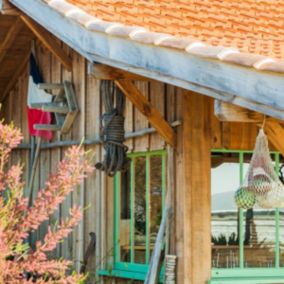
(261, 184)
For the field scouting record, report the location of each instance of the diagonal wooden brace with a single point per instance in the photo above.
(144, 106)
(48, 41)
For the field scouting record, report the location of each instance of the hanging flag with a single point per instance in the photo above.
(35, 95)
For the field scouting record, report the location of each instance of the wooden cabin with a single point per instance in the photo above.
(200, 78)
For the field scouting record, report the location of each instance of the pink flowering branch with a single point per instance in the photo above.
(71, 172)
(19, 264)
(64, 229)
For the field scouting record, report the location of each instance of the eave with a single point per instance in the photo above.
(262, 91)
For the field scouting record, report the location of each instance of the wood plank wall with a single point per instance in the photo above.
(96, 192)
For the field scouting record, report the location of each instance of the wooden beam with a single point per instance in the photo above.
(153, 115)
(10, 37)
(7, 9)
(227, 112)
(48, 41)
(13, 80)
(106, 72)
(233, 113)
(275, 134)
(194, 192)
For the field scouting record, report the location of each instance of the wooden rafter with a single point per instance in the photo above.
(8, 9)
(144, 106)
(48, 41)
(105, 72)
(10, 37)
(232, 113)
(275, 134)
(13, 80)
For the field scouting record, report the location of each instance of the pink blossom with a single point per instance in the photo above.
(19, 264)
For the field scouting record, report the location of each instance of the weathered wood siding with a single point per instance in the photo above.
(96, 192)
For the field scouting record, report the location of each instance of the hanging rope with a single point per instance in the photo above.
(112, 130)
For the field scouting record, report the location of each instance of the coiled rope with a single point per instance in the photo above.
(112, 130)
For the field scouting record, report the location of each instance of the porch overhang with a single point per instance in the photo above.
(261, 91)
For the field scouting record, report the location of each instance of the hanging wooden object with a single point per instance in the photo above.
(64, 106)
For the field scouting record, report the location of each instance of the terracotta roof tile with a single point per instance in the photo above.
(245, 32)
(226, 22)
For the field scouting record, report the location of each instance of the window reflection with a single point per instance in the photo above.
(141, 197)
(140, 210)
(224, 218)
(259, 230)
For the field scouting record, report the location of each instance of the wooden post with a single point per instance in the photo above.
(194, 252)
(33, 171)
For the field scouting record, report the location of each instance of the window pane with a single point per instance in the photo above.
(155, 197)
(260, 234)
(124, 225)
(140, 210)
(281, 215)
(281, 233)
(260, 241)
(224, 181)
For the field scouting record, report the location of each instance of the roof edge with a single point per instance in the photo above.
(147, 54)
(191, 45)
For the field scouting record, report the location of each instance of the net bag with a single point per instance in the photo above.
(261, 180)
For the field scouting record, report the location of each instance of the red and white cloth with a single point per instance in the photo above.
(35, 95)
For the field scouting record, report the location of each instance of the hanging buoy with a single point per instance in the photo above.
(244, 198)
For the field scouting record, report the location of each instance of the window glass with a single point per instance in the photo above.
(224, 218)
(139, 205)
(124, 224)
(259, 244)
(251, 238)
(140, 210)
(155, 198)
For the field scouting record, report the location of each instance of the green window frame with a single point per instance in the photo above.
(244, 274)
(131, 269)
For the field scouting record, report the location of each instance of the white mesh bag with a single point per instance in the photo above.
(261, 178)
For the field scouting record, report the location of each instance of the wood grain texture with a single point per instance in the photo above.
(67, 245)
(91, 193)
(13, 80)
(45, 37)
(157, 100)
(196, 189)
(232, 113)
(10, 38)
(8, 9)
(152, 114)
(143, 143)
(106, 72)
(275, 134)
(44, 62)
(78, 132)
(56, 70)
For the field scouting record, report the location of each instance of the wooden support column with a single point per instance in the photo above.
(193, 198)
